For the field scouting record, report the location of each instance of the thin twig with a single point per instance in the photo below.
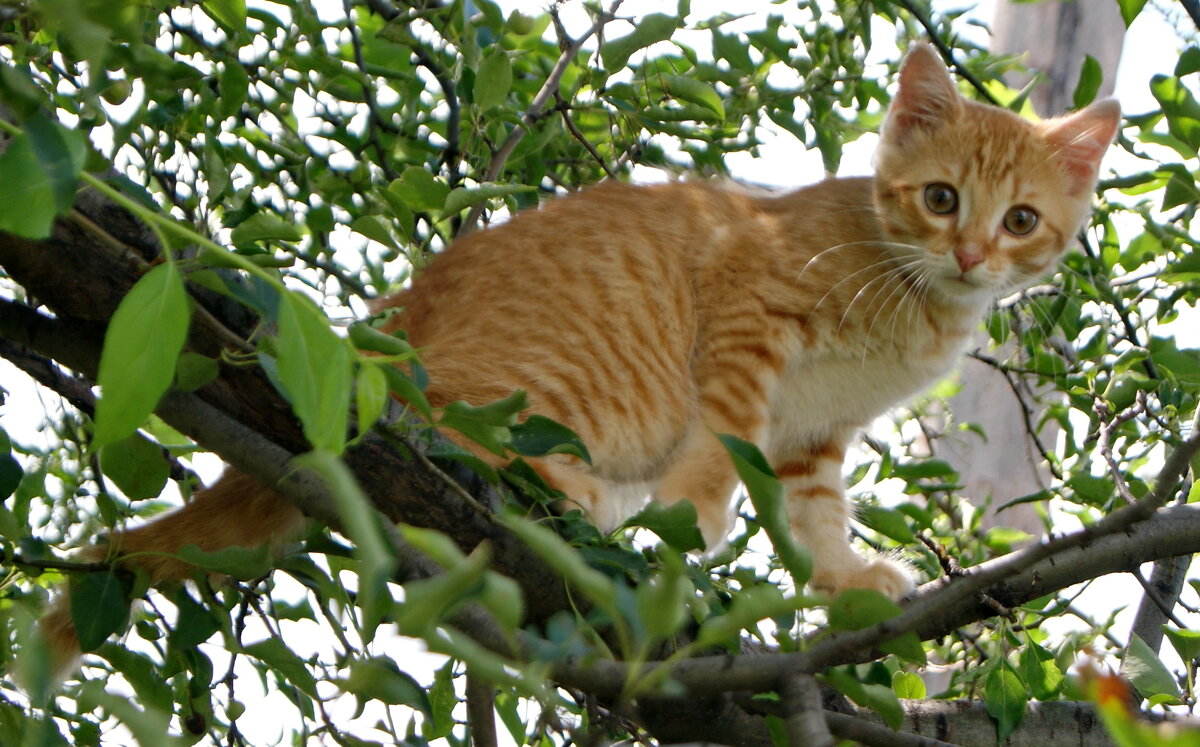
(569, 121)
(947, 52)
(536, 110)
(481, 716)
(1026, 412)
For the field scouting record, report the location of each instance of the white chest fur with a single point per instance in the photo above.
(834, 389)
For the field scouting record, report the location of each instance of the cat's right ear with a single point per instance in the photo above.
(926, 98)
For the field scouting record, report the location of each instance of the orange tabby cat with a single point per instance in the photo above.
(649, 319)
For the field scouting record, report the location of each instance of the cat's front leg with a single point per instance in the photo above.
(820, 517)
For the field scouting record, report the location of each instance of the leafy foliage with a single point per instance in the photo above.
(298, 161)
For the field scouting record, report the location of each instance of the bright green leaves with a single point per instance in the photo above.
(136, 465)
(650, 29)
(1005, 696)
(143, 341)
(1147, 673)
(1090, 78)
(99, 606)
(494, 426)
(767, 495)
(38, 174)
(493, 79)
(1130, 9)
(314, 367)
(878, 697)
(696, 92)
(379, 679)
(229, 13)
(1181, 109)
(856, 609)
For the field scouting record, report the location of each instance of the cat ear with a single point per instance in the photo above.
(1081, 139)
(927, 96)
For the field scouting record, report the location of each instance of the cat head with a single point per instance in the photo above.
(976, 200)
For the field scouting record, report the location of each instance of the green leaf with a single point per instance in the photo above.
(733, 50)
(746, 609)
(463, 197)
(142, 343)
(697, 92)
(926, 468)
(1189, 62)
(1040, 671)
(136, 465)
(140, 672)
(420, 190)
(1130, 10)
(767, 495)
(428, 600)
(538, 436)
(675, 525)
(375, 229)
(99, 606)
(888, 522)
(1186, 642)
(1090, 78)
(370, 395)
(243, 563)
(194, 624)
(878, 698)
(1146, 671)
(366, 337)
(855, 609)
(25, 191)
(493, 79)
(60, 153)
(10, 475)
(193, 371)
(314, 367)
(229, 13)
(1005, 697)
(264, 227)
(1181, 109)
(908, 685)
(280, 658)
(651, 29)
(488, 425)
(380, 679)
(566, 561)
(364, 525)
(442, 701)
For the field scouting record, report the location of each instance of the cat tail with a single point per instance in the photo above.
(236, 511)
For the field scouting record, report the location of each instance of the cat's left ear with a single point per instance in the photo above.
(926, 98)
(1080, 141)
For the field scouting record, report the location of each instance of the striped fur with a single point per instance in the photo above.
(648, 318)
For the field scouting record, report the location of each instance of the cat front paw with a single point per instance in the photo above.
(889, 577)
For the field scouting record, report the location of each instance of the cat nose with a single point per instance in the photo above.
(967, 258)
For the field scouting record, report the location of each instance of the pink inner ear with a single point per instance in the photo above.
(1081, 139)
(926, 97)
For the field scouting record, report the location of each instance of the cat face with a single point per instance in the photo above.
(974, 199)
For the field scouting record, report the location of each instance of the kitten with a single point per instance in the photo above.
(650, 318)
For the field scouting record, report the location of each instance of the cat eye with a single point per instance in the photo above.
(1020, 220)
(941, 198)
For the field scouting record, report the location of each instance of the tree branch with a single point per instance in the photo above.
(805, 712)
(536, 110)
